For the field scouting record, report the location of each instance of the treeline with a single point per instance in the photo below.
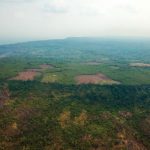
(109, 95)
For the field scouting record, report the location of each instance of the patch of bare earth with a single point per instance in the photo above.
(30, 74)
(46, 66)
(94, 79)
(26, 75)
(139, 65)
(35, 70)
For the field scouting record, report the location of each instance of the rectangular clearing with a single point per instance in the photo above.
(94, 79)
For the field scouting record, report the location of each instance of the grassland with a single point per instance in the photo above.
(73, 57)
(66, 72)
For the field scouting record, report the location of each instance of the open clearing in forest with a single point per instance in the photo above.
(30, 74)
(46, 66)
(26, 75)
(42, 68)
(49, 78)
(94, 79)
(139, 65)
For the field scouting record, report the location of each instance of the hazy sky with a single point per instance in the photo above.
(23, 20)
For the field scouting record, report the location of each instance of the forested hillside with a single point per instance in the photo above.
(56, 116)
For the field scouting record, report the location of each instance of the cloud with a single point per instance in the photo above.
(54, 7)
(88, 7)
(80, 7)
(16, 1)
(73, 7)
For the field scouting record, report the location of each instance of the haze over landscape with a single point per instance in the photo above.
(74, 75)
(28, 20)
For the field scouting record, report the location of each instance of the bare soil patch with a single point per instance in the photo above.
(139, 65)
(25, 75)
(94, 79)
(41, 68)
(34, 70)
(46, 66)
(30, 74)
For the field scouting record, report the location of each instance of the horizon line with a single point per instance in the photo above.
(77, 37)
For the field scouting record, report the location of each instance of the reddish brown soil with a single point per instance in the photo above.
(31, 73)
(35, 70)
(94, 79)
(25, 75)
(45, 66)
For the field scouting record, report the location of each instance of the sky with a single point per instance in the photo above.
(25, 20)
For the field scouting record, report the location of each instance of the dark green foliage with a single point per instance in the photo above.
(30, 117)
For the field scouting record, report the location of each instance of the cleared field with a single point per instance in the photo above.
(30, 74)
(26, 75)
(46, 66)
(94, 79)
(139, 65)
